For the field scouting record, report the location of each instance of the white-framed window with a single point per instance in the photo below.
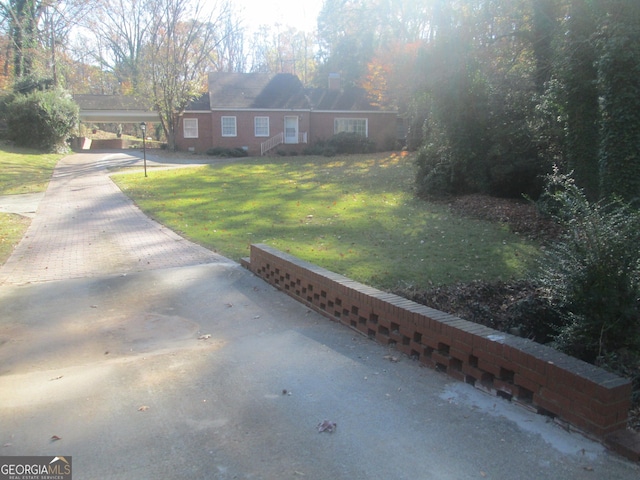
(261, 126)
(229, 128)
(353, 125)
(190, 127)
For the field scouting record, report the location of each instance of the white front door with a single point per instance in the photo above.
(291, 129)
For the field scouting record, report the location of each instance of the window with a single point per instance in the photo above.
(190, 127)
(353, 125)
(261, 126)
(229, 127)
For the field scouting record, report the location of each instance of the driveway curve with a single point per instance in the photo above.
(86, 227)
(142, 356)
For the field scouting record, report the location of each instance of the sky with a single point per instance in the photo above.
(301, 14)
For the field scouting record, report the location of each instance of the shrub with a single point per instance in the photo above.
(592, 276)
(42, 119)
(321, 147)
(227, 152)
(349, 142)
(434, 177)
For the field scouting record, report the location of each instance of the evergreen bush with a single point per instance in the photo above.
(227, 152)
(592, 276)
(434, 177)
(42, 119)
(349, 142)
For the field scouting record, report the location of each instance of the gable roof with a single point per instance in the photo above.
(201, 103)
(255, 90)
(245, 91)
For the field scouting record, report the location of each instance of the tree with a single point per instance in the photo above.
(283, 51)
(347, 30)
(178, 56)
(58, 21)
(122, 30)
(230, 55)
(485, 98)
(544, 29)
(23, 17)
(619, 81)
(582, 97)
(38, 31)
(42, 119)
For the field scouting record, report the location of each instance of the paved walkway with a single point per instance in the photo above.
(190, 367)
(86, 227)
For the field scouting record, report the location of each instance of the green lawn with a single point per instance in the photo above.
(21, 171)
(25, 171)
(355, 215)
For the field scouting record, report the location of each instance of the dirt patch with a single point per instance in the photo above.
(521, 216)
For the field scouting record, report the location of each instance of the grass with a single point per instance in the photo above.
(354, 215)
(25, 171)
(21, 171)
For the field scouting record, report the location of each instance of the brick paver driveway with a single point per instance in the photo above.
(86, 227)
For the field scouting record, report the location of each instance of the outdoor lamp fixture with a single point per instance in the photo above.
(143, 127)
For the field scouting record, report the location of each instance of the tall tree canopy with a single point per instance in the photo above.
(494, 91)
(122, 31)
(183, 37)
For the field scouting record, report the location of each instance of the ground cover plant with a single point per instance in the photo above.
(21, 171)
(355, 215)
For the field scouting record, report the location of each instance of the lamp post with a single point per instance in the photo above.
(143, 127)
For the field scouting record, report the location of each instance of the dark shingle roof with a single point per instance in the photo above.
(349, 99)
(280, 91)
(255, 90)
(200, 104)
(109, 102)
(248, 91)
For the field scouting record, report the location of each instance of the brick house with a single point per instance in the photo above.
(263, 112)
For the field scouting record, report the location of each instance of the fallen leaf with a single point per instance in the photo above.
(204, 337)
(327, 426)
(55, 438)
(143, 408)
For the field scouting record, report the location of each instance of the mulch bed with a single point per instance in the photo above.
(515, 307)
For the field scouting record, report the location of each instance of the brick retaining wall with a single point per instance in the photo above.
(538, 377)
(110, 144)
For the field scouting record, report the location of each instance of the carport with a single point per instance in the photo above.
(111, 109)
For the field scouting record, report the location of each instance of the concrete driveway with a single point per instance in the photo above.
(144, 356)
